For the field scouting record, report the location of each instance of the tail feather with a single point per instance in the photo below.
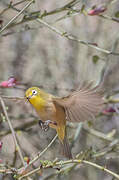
(66, 148)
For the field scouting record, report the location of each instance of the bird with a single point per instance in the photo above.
(82, 104)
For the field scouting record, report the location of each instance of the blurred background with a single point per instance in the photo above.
(37, 56)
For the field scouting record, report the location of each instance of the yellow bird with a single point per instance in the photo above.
(82, 104)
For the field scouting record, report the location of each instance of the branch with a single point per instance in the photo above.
(13, 98)
(109, 18)
(11, 5)
(61, 163)
(6, 171)
(112, 100)
(40, 153)
(15, 17)
(61, 33)
(22, 127)
(13, 132)
(71, 37)
(98, 134)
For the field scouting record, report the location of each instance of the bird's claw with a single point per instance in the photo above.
(46, 123)
(44, 126)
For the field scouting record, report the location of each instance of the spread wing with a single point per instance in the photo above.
(83, 104)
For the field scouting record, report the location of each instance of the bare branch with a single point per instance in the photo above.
(70, 37)
(15, 17)
(76, 161)
(13, 132)
(41, 153)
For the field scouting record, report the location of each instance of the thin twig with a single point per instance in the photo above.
(20, 2)
(76, 161)
(97, 133)
(111, 147)
(22, 127)
(13, 132)
(66, 7)
(70, 37)
(76, 136)
(41, 153)
(112, 100)
(13, 97)
(6, 171)
(15, 17)
(62, 33)
(109, 18)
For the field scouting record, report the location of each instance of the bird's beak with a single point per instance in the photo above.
(29, 97)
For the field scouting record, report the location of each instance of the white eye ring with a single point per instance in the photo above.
(34, 92)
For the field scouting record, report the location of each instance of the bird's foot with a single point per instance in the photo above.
(45, 125)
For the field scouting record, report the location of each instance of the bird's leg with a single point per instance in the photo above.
(45, 125)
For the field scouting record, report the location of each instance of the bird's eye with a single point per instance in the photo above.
(34, 92)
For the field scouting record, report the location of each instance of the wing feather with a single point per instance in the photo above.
(82, 104)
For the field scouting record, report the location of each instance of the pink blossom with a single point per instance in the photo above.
(97, 11)
(11, 82)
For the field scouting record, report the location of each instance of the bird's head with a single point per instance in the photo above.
(32, 93)
(36, 96)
